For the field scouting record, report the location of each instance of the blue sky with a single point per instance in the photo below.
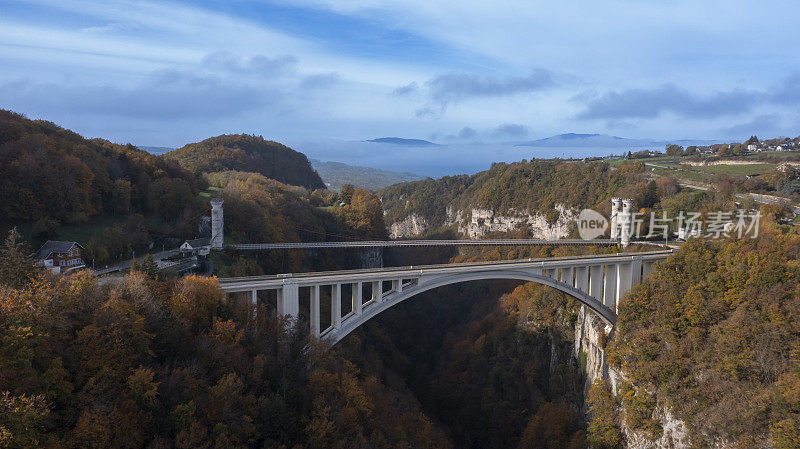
(167, 73)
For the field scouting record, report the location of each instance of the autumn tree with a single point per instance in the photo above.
(16, 266)
(346, 195)
(674, 150)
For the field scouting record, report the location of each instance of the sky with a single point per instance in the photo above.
(170, 72)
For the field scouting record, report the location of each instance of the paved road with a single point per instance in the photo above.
(404, 243)
(127, 264)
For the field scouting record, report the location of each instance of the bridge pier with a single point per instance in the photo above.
(582, 279)
(610, 291)
(647, 268)
(314, 310)
(567, 276)
(254, 302)
(336, 306)
(596, 285)
(624, 281)
(377, 293)
(289, 300)
(358, 298)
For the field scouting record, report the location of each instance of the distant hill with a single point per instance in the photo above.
(535, 185)
(337, 174)
(243, 152)
(602, 140)
(51, 173)
(406, 142)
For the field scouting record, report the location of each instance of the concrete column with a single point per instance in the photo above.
(289, 300)
(377, 291)
(610, 291)
(397, 285)
(358, 303)
(254, 302)
(336, 306)
(582, 279)
(636, 271)
(314, 310)
(647, 268)
(624, 280)
(567, 276)
(596, 285)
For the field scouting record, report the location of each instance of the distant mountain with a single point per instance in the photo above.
(246, 153)
(406, 142)
(337, 174)
(602, 140)
(156, 150)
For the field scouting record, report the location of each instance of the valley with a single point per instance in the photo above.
(478, 362)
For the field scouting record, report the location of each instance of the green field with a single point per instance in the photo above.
(672, 166)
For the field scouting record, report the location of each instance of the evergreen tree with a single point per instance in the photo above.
(346, 195)
(149, 267)
(16, 266)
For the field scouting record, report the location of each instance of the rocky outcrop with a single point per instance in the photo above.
(674, 433)
(483, 221)
(475, 223)
(591, 334)
(412, 226)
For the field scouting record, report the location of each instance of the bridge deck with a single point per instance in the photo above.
(275, 281)
(404, 243)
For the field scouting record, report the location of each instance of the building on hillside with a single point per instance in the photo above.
(752, 148)
(59, 256)
(196, 246)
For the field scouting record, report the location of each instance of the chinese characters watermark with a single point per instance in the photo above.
(717, 224)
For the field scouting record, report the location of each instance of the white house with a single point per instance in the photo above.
(197, 246)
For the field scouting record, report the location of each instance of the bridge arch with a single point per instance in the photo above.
(334, 335)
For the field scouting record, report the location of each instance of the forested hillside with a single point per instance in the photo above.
(151, 364)
(714, 334)
(147, 364)
(117, 200)
(258, 209)
(50, 173)
(243, 152)
(537, 185)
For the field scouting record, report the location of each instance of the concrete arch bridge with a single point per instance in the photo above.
(338, 302)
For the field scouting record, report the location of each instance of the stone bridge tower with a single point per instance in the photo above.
(616, 208)
(622, 220)
(217, 240)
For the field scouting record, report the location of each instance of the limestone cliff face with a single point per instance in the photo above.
(590, 337)
(475, 223)
(412, 226)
